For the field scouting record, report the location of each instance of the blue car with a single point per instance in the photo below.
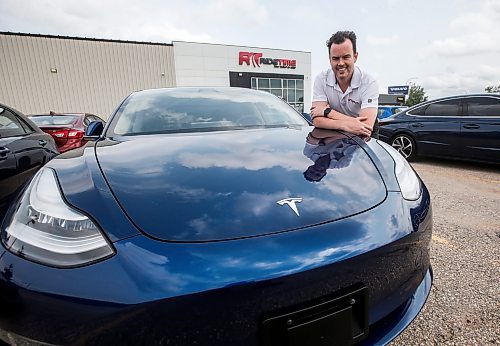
(458, 127)
(216, 216)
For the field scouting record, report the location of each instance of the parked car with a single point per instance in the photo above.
(385, 111)
(463, 127)
(66, 128)
(216, 216)
(24, 149)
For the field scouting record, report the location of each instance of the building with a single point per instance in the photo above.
(42, 73)
(391, 99)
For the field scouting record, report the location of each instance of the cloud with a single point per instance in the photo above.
(163, 33)
(146, 21)
(326, 255)
(382, 41)
(248, 12)
(486, 18)
(464, 58)
(475, 33)
(465, 45)
(252, 160)
(462, 81)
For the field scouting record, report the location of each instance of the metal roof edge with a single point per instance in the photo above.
(233, 45)
(9, 33)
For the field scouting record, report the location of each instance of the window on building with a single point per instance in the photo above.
(290, 90)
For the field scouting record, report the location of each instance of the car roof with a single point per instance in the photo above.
(213, 89)
(494, 95)
(57, 114)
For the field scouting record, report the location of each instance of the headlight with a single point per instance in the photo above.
(408, 181)
(43, 228)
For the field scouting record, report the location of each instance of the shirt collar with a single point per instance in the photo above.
(330, 78)
(356, 78)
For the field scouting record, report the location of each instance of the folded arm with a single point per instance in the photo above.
(361, 126)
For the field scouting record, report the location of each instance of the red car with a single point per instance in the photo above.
(67, 129)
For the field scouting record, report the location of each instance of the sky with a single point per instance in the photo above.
(448, 47)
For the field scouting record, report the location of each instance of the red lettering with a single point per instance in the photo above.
(245, 58)
(256, 59)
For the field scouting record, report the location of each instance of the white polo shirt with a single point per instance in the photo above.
(362, 93)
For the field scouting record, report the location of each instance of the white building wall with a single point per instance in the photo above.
(92, 75)
(204, 64)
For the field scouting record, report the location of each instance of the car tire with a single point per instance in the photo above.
(405, 145)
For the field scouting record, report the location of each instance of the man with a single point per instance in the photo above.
(345, 97)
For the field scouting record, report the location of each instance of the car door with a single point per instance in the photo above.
(436, 127)
(480, 128)
(9, 181)
(22, 153)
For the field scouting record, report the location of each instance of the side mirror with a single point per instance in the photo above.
(94, 131)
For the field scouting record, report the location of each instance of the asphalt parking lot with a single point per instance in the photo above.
(464, 304)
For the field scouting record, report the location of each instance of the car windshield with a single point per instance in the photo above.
(201, 109)
(42, 120)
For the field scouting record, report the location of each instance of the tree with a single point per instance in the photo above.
(492, 89)
(416, 95)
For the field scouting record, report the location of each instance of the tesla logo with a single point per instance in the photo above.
(256, 59)
(291, 203)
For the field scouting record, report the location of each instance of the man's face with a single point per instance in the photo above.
(342, 59)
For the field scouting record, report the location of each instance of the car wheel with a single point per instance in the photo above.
(405, 145)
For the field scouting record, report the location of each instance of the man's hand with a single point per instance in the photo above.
(357, 126)
(318, 110)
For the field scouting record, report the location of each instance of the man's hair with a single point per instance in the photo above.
(340, 37)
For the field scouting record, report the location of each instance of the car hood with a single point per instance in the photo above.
(214, 186)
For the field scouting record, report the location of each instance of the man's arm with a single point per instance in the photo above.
(370, 113)
(361, 126)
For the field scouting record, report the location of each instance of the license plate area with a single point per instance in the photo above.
(338, 321)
